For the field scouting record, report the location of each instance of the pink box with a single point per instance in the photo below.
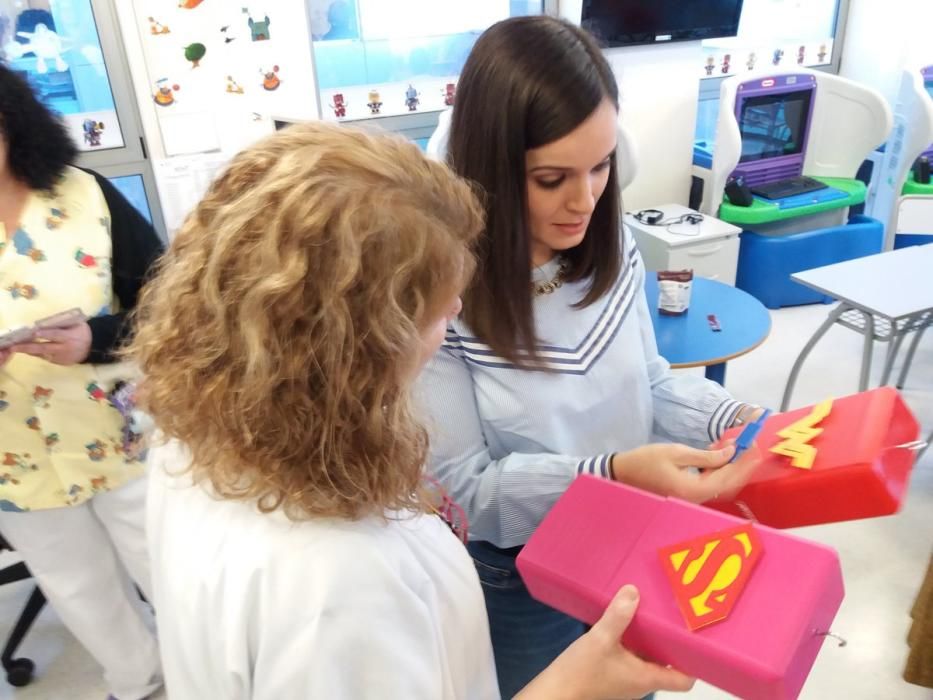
(601, 535)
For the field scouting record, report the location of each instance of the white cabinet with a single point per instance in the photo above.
(709, 247)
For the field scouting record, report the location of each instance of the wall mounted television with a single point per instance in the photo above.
(631, 22)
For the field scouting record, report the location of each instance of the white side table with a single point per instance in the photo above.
(709, 248)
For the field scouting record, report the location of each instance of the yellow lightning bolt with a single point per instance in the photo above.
(798, 435)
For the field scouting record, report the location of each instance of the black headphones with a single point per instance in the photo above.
(655, 217)
(651, 217)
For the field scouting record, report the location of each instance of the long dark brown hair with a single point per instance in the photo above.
(529, 81)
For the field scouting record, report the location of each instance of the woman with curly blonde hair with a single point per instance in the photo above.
(296, 551)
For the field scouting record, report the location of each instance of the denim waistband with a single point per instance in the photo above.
(507, 551)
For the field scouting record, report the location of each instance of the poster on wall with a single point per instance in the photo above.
(55, 45)
(218, 71)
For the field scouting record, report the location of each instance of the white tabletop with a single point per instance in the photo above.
(682, 234)
(895, 284)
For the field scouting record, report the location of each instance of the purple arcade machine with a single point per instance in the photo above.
(774, 115)
(774, 119)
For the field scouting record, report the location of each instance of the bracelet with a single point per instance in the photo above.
(741, 418)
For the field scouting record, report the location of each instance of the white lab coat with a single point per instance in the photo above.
(255, 606)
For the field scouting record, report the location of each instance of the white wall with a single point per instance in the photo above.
(659, 88)
(883, 37)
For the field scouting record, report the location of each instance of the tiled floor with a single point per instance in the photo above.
(883, 559)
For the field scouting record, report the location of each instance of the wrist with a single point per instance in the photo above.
(616, 466)
(747, 414)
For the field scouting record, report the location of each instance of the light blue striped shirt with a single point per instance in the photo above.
(507, 442)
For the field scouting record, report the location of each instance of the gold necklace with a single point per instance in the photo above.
(556, 282)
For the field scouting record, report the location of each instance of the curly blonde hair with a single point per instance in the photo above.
(281, 334)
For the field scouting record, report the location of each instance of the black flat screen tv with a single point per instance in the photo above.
(630, 22)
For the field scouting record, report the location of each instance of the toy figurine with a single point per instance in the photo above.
(339, 106)
(710, 65)
(449, 92)
(750, 63)
(777, 56)
(725, 63)
(165, 95)
(375, 102)
(270, 79)
(411, 98)
(157, 28)
(822, 54)
(801, 55)
(92, 130)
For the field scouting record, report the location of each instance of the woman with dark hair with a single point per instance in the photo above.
(71, 494)
(552, 370)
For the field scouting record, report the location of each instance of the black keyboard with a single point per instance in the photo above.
(788, 188)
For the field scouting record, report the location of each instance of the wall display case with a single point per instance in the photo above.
(72, 54)
(778, 33)
(398, 61)
(56, 45)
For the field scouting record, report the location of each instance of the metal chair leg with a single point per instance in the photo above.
(925, 447)
(894, 347)
(901, 380)
(798, 363)
(867, 347)
(19, 671)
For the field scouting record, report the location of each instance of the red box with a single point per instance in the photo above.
(601, 535)
(856, 473)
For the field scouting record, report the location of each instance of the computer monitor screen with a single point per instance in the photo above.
(774, 125)
(626, 22)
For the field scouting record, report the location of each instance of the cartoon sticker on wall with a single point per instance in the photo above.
(165, 93)
(233, 86)
(259, 30)
(92, 131)
(227, 37)
(270, 79)
(156, 27)
(189, 4)
(194, 53)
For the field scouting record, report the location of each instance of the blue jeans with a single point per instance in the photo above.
(526, 635)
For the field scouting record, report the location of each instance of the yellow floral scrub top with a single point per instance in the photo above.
(60, 437)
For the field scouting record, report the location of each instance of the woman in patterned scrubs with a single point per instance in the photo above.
(71, 496)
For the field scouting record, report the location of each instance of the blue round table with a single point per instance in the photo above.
(689, 341)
